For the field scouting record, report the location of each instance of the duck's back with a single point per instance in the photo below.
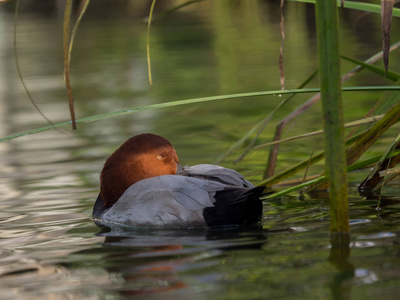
(200, 196)
(216, 173)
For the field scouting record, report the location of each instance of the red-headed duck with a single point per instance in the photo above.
(142, 184)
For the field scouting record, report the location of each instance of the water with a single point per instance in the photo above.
(49, 246)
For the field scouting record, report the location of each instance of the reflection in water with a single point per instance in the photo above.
(48, 244)
(378, 235)
(151, 261)
(339, 257)
(364, 276)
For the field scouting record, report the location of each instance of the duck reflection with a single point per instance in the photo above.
(151, 261)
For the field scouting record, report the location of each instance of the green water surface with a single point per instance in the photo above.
(49, 246)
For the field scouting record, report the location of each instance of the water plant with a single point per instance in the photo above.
(340, 155)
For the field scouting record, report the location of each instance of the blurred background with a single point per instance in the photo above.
(49, 181)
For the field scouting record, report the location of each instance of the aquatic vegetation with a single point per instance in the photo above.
(384, 114)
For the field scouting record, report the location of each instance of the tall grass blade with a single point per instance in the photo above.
(380, 107)
(299, 166)
(148, 42)
(273, 154)
(173, 9)
(240, 142)
(74, 30)
(66, 39)
(332, 107)
(318, 132)
(260, 126)
(353, 167)
(19, 69)
(374, 8)
(386, 102)
(386, 19)
(389, 74)
(191, 101)
(366, 184)
(376, 130)
(362, 142)
(282, 28)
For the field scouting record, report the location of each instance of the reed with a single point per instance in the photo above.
(190, 101)
(329, 73)
(332, 109)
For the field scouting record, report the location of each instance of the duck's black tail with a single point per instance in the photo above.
(235, 206)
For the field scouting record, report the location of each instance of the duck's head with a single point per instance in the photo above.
(142, 156)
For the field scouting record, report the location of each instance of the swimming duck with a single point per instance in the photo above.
(142, 184)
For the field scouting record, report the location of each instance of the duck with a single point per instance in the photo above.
(142, 184)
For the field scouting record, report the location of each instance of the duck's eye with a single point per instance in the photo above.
(160, 156)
